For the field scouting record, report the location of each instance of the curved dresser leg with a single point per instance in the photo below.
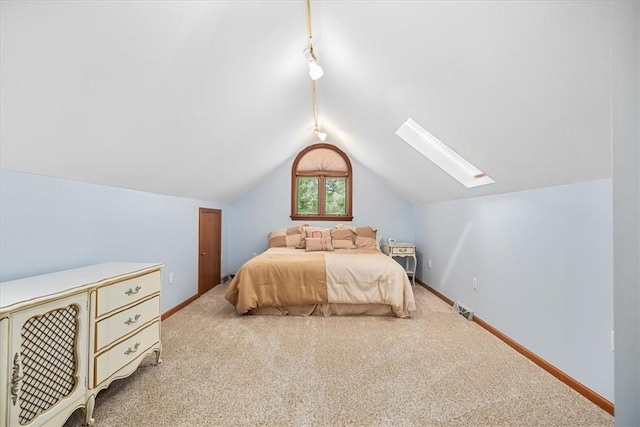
(91, 403)
(158, 352)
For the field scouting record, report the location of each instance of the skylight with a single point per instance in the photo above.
(442, 155)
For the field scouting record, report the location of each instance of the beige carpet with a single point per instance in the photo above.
(435, 369)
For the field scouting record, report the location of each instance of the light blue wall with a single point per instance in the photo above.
(543, 259)
(49, 224)
(267, 207)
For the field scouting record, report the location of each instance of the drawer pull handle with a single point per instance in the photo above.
(133, 291)
(132, 321)
(129, 350)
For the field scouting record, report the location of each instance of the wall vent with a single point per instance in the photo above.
(465, 312)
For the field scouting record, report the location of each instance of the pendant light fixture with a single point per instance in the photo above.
(315, 72)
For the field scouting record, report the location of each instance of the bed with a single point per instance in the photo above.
(349, 279)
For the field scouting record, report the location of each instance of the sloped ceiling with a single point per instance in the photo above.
(203, 99)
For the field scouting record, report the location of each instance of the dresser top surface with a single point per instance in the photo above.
(16, 292)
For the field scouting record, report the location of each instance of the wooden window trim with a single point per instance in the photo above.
(321, 186)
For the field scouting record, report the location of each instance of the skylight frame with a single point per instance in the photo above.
(442, 155)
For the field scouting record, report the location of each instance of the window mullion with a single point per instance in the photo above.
(321, 195)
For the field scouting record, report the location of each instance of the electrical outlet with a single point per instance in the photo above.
(430, 265)
(170, 278)
(475, 283)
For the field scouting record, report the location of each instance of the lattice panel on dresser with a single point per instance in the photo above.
(49, 361)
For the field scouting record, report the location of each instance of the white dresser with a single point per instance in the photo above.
(65, 336)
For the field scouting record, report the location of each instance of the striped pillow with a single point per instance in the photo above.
(318, 244)
(308, 232)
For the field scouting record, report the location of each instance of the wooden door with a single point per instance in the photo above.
(209, 249)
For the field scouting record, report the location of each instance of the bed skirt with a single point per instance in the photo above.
(326, 310)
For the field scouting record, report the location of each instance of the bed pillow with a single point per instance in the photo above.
(287, 237)
(366, 237)
(378, 242)
(343, 238)
(318, 244)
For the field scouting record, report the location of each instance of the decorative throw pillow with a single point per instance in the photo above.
(318, 244)
(343, 238)
(313, 232)
(316, 232)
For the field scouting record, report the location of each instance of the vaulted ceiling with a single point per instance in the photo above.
(203, 99)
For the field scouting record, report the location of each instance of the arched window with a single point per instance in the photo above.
(321, 185)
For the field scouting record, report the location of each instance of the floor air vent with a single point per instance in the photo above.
(465, 312)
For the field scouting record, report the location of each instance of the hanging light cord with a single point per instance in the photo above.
(313, 83)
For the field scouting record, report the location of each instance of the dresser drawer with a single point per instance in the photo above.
(120, 324)
(117, 357)
(112, 297)
(402, 250)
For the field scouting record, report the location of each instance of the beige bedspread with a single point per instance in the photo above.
(292, 277)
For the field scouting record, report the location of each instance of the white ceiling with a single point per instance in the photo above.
(203, 99)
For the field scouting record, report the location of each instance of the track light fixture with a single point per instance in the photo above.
(315, 72)
(321, 135)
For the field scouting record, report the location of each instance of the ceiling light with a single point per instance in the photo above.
(321, 135)
(443, 156)
(315, 71)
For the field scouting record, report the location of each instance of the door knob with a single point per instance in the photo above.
(203, 253)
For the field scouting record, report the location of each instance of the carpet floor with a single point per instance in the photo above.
(435, 369)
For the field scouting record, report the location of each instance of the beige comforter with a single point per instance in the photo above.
(292, 277)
